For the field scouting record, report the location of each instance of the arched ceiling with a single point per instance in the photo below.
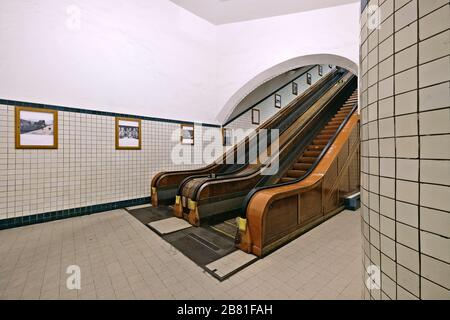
(295, 63)
(228, 11)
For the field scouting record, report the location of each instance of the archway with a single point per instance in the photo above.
(280, 69)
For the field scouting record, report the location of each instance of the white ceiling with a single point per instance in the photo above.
(228, 11)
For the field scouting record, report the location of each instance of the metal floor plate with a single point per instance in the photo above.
(203, 245)
(170, 225)
(150, 214)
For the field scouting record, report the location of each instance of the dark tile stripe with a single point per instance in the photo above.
(70, 213)
(94, 112)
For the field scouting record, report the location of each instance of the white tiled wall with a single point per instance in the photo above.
(86, 169)
(405, 108)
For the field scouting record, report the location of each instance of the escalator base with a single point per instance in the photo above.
(203, 245)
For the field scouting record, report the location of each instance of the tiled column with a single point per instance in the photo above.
(405, 100)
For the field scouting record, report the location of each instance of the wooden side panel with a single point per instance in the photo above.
(355, 172)
(344, 184)
(310, 205)
(281, 219)
(342, 157)
(330, 177)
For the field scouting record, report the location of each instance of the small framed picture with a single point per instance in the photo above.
(295, 88)
(277, 101)
(128, 134)
(320, 70)
(256, 116)
(227, 135)
(36, 128)
(308, 78)
(187, 134)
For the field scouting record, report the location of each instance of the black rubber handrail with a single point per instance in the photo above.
(310, 170)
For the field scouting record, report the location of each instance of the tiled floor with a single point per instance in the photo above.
(120, 258)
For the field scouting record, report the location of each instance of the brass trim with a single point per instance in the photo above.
(117, 133)
(17, 127)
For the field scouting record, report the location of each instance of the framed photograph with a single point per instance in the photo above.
(128, 134)
(277, 101)
(295, 88)
(320, 70)
(36, 128)
(187, 134)
(308, 78)
(227, 135)
(256, 116)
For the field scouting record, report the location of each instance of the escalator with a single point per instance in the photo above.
(304, 163)
(234, 206)
(215, 201)
(166, 186)
(310, 191)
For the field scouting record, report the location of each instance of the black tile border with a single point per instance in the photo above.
(69, 213)
(99, 113)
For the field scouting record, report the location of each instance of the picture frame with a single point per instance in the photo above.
(309, 78)
(295, 88)
(256, 116)
(227, 137)
(187, 135)
(320, 71)
(36, 128)
(128, 134)
(277, 101)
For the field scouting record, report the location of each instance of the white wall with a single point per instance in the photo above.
(154, 58)
(138, 57)
(248, 49)
(267, 106)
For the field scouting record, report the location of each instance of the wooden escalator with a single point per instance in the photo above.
(313, 151)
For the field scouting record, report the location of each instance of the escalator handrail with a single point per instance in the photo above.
(251, 173)
(310, 170)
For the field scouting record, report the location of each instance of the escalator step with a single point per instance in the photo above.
(303, 166)
(316, 147)
(297, 166)
(311, 153)
(295, 174)
(307, 159)
(324, 136)
(320, 142)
